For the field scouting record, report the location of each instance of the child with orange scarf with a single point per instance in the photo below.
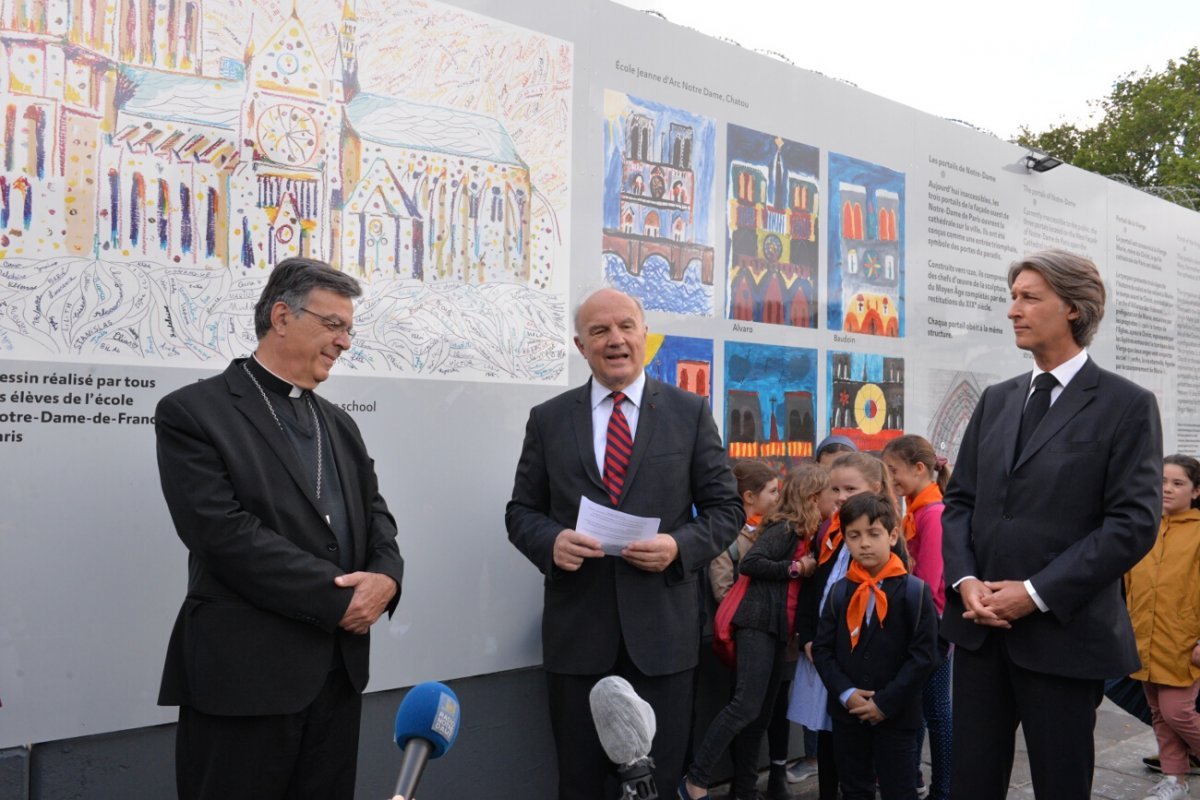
(876, 646)
(850, 474)
(921, 476)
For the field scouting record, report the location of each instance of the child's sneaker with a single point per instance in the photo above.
(801, 771)
(1169, 788)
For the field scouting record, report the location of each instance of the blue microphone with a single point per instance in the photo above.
(426, 727)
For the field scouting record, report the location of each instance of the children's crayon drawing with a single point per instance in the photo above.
(159, 159)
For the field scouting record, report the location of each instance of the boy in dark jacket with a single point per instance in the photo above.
(876, 645)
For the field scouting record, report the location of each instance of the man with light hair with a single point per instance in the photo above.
(1055, 495)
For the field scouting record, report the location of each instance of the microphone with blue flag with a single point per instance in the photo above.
(426, 727)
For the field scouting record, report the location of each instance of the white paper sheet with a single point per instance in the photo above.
(614, 529)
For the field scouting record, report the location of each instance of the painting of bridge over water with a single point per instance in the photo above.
(658, 199)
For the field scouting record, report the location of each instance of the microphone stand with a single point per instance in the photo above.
(637, 780)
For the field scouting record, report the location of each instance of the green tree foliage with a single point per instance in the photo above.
(1148, 133)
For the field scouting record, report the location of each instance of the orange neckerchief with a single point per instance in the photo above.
(833, 538)
(928, 496)
(754, 520)
(856, 609)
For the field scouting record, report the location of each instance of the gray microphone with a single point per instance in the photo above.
(625, 724)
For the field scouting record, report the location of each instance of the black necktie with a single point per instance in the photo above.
(1035, 408)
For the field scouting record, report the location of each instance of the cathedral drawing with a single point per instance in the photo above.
(772, 223)
(658, 178)
(117, 147)
(866, 399)
(870, 272)
(770, 405)
(866, 258)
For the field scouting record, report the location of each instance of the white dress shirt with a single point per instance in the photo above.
(1064, 373)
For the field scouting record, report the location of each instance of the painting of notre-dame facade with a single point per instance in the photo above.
(866, 247)
(772, 208)
(770, 403)
(683, 361)
(866, 398)
(159, 158)
(658, 195)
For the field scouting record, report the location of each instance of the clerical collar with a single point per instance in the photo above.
(270, 381)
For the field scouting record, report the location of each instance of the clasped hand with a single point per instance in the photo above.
(372, 593)
(996, 604)
(862, 706)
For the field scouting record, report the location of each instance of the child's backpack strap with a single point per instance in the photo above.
(840, 596)
(735, 557)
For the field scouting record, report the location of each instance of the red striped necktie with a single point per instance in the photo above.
(617, 450)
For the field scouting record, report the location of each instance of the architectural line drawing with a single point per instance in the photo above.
(953, 395)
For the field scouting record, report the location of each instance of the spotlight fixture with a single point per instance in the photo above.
(1040, 162)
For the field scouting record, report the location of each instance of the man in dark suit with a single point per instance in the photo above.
(1056, 493)
(291, 556)
(638, 615)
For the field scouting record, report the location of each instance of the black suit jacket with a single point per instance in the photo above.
(894, 659)
(258, 628)
(1072, 514)
(678, 462)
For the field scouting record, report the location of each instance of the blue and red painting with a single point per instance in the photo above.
(772, 226)
(865, 396)
(658, 188)
(682, 361)
(866, 247)
(770, 402)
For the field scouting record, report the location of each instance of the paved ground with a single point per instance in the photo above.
(1121, 741)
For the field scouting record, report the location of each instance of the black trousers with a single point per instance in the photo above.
(584, 771)
(760, 658)
(866, 753)
(827, 772)
(992, 696)
(310, 755)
